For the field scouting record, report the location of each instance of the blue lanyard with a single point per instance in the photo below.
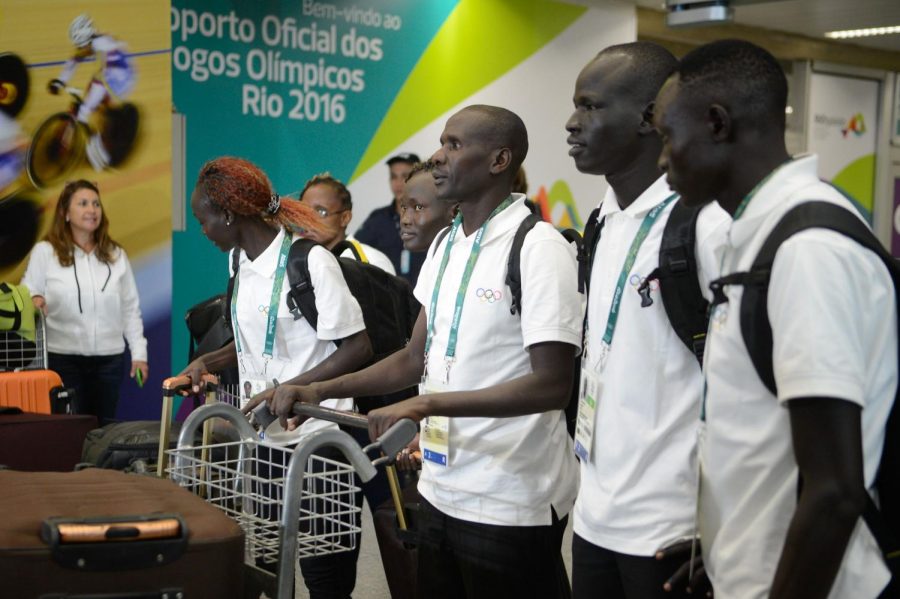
(450, 355)
(272, 319)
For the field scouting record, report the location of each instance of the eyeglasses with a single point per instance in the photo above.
(324, 213)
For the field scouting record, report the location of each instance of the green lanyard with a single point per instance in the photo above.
(450, 355)
(273, 302)
(630, 258)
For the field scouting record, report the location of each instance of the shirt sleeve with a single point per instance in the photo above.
(713, 224)
(822, 290)
(425, 282)
(551, 304)
(36, 273)
(131, 314)
(339, 313)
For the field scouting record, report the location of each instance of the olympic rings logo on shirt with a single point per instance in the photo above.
(489, 295)
(262, 308)
(637, 280)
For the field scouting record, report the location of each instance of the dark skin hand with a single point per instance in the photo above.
(353, 352)
(214, 361)
(831, 500)
(699, 583)
(398, 371)
(546, 388)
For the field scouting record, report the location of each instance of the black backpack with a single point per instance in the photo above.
(387, 302)
(757, 333)
(682, 298)
(514, 282)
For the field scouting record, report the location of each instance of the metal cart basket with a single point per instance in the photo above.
(289, 502)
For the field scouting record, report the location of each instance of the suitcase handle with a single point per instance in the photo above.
(175, 385)
(115, 542)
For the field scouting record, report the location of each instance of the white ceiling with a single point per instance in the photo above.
(813, 17)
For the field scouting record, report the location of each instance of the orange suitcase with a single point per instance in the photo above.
(28, 390)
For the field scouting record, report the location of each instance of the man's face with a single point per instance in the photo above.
(463, 162)
(399, 171)
(694, 164)
(422, 215)
(325, 201)
(603, 129)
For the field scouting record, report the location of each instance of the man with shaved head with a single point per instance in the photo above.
(499, 475)
(637, 442)
(792, 440)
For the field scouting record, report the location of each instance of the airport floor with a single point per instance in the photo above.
(370, 581)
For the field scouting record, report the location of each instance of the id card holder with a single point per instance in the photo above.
(588, 397)
(256, 386)
(434, 438)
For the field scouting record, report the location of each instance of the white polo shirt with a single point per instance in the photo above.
(506, 471)
(298, 347)
(834, 327)
(92, 307)
(638, 490)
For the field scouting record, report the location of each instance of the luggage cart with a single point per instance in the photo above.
(289, 502)
(18, 353)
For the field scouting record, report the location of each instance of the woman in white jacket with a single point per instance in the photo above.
(82, 281)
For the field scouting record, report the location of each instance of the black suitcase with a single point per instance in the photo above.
(100, 533)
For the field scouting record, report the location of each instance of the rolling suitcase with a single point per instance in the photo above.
(29, 390)
(25, 445)
(102, 533)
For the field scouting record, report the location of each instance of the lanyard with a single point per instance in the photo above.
(450, 355)
(746, 201)
(630, 258)
(273, 302)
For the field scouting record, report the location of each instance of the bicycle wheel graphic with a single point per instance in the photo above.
(56, 148)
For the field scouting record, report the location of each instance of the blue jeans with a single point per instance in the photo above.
(96, 380)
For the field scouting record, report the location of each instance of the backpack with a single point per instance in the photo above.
(18, 347)
(757, 333)
(514, 281)
(387, 302)
(208, 326)
(16, 310)
(683, 300)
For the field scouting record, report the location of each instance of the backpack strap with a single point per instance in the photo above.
(235, 268)
(355, 248)
(686, 307)
(440, 238)
(588, 248)
(757, 333)
(514, 262)
(755, 326)
(301, 297)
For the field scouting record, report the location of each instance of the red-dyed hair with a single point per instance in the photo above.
(60, 233)
(242, 187)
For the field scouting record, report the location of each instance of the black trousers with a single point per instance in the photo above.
(599, 573)
(96, 380)
(467, 560)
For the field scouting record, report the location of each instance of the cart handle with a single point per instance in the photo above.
(179, 384)
(398, 436)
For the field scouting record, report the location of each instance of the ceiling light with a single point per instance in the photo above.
(851, 33)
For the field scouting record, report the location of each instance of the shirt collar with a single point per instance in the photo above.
(507, 219)
(639, 208)
(780, 184)
(265, 263)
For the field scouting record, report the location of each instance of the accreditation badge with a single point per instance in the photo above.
(434, 438)
(588, 397)
(253, 386)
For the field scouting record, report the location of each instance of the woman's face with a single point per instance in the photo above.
(85, 212)
(213, 222)
(422, 215)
